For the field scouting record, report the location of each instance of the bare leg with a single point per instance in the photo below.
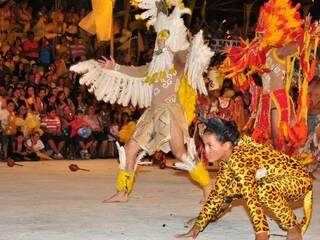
(178, 149)
(93, 147)
(5, 151)
(88, 145)
(274, 126)
(111, 152)
(53, 146)
(103, 148)
(131, 150)
(294, 233)
(82, 145)
(61, 145)
(177, 142)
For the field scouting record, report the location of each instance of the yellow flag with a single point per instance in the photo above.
(99, 20)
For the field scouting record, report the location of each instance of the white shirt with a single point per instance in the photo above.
(36, 147)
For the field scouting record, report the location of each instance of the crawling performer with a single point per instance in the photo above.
(263, 177)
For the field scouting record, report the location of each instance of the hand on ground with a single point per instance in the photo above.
(193, 233)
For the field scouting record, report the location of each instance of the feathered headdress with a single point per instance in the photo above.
(169, 27)
(154, 7)
(279, 23)
(157, 14)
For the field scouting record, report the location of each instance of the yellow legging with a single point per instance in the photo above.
(274, 193)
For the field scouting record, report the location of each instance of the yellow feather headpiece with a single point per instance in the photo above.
(153, 7)
(164, 34)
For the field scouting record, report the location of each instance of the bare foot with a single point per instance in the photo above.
(262, 236)
(120, 197)
(294, 233)
(193, 233)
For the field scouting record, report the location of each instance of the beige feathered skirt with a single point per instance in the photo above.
(153, 128)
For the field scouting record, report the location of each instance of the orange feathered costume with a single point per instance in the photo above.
(279, 24)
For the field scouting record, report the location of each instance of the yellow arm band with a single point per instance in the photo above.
(201, 175)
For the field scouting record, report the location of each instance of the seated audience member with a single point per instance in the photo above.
(105, 114)
(80, 103)
(4, 113)
(24, 15)
(35, 145)
(19, 70)
(31, 47)
(81, 133)
(45, 55)
(50, 101)
(98, 134)
(21, 116)
(17, 99)
(30, 98)
(20, 151)
(62, 102)
(78, 49)
(113, 135)
(63, 46)
(53, 136)
(10, 127)
(66, 120)
(40, 101)
(16, 47)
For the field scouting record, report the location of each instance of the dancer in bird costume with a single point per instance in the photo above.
(282, 38)
(167, 86)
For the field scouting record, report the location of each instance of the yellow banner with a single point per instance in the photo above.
(99, 20)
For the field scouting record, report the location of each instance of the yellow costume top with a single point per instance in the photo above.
(263, 177)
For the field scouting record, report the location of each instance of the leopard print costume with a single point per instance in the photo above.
(281, 179)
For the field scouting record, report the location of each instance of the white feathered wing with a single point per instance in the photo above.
(198, 60)
(112, 86)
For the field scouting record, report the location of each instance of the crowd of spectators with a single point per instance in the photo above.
(45, 113)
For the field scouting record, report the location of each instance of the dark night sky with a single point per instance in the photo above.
(237, 13)
(315, 10)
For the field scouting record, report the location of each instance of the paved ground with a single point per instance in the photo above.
(45, 201)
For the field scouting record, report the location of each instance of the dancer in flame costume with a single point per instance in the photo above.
(260, 175)
(282, 37)
(167, 86)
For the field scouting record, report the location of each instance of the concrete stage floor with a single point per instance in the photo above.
(45, 201)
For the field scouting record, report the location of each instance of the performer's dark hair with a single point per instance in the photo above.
(225, 131)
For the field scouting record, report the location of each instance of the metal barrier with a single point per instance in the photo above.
(219, 44)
